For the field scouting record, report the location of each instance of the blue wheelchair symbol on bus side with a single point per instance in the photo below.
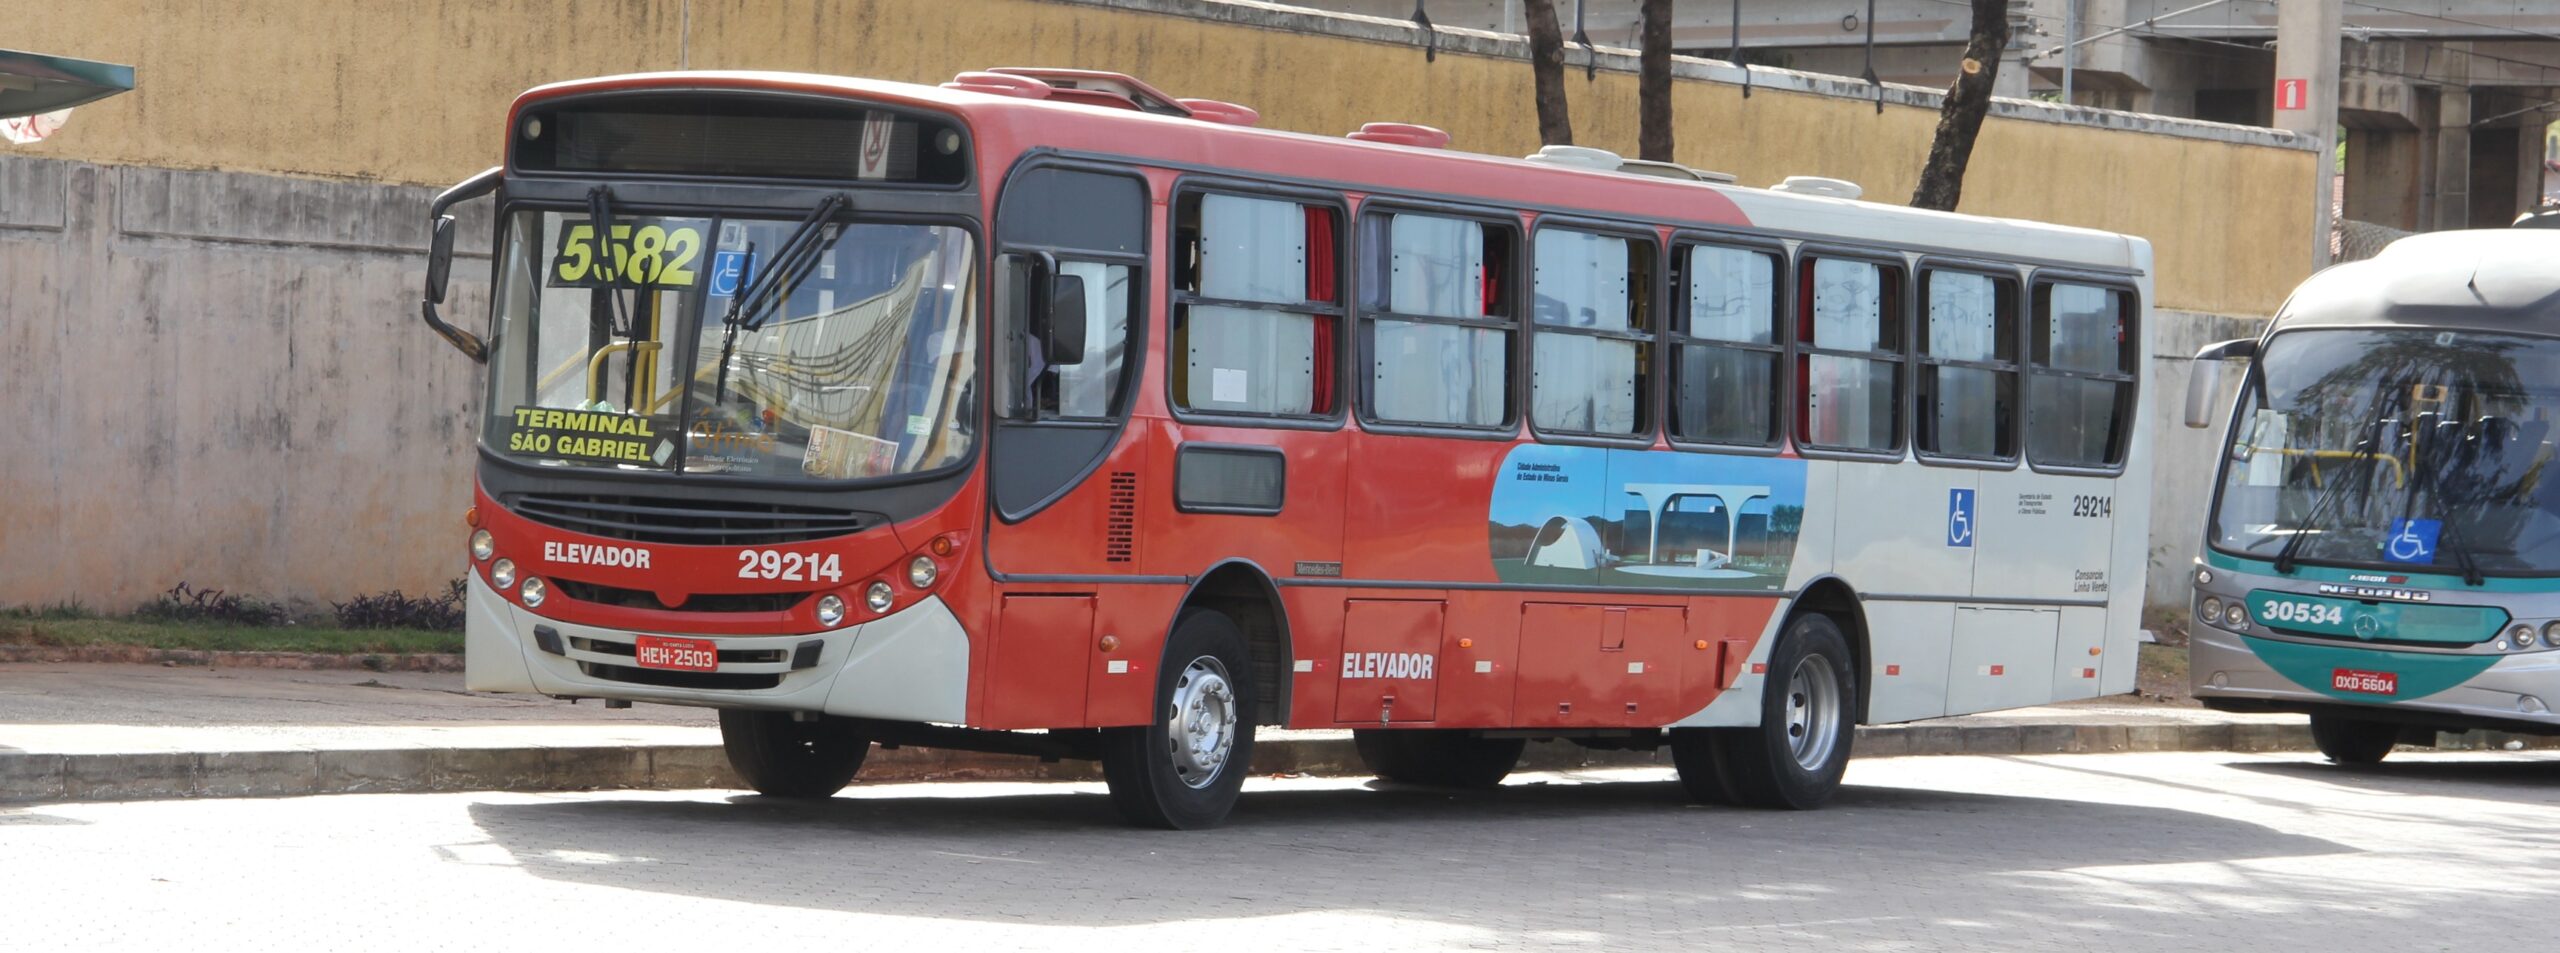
(729, 270)
(2412, 541)
(1960, 518)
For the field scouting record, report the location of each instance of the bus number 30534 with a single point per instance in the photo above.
(791, 567)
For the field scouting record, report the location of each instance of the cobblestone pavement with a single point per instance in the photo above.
(2183, 852)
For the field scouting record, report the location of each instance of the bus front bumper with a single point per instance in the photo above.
(2521, 687)
(909, 666)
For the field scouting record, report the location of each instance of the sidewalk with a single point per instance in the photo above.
(72, 731)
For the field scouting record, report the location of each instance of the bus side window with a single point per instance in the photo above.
(1257, 308)
(1726, 352)
(1968, 366)
(1433, 298)
(1588, 355)
(2082, 386)
(1849, 360)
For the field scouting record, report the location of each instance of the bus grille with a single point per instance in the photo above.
(668, 679)
(698, 602)
(688, 522)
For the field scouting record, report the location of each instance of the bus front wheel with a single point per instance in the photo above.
(779, 756)
(2353, 740)
(1184, 769)
(1452, 759)
(1808, 716)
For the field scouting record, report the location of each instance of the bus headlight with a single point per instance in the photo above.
(502, 574)
(534, 590)
(878, 597)
(830, 610)
(483, 545)
(2521, 635)
(2551, 634)
(2212, 609)
(922, 572)
(2236, 615)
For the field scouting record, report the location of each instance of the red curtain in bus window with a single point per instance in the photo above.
(1485, 298)
(1320, 287)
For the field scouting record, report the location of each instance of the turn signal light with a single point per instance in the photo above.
(941, 546)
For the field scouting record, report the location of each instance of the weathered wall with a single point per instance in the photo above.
(406, 91)
(217, 374)
(220, 378)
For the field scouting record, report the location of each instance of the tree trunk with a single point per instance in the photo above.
(1968, 98)
(1653, 83)
(1546, 69)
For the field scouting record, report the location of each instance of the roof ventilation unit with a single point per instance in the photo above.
(1211, 110)
(1402, 134)
(1578, 157)
(1817, 185)
(1674, 170)
(999, 84)
(1100, 88)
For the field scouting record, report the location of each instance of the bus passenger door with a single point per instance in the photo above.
(1068, 313)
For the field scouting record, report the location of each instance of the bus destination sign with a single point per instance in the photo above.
(593, 436)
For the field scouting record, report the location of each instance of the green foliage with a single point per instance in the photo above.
(183, 603)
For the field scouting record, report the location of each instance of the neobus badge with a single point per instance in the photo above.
(2374, 592)
(588, 554)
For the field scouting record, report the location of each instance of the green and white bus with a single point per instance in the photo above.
(2383, 551)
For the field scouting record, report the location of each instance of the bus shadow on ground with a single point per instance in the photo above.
(1527, 857)
(2419, 773)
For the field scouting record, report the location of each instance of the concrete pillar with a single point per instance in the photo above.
(2307, 55)
(2452, 162)
(2383, 176)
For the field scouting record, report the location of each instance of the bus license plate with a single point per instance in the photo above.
(688, 655)
(2368, 683)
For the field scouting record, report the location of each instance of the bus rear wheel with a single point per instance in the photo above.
(1441, 758)
(1808, 716)
(1698, 754)
(779, 756)
(2353, 740)
(1183, 770)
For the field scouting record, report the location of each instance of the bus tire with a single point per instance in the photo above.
(1183, 770)
(1808, 717)
(2353, 740)
(781, 757)
(1699, 755)
(1437, 757)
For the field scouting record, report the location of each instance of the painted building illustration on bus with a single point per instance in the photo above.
(1565, 515)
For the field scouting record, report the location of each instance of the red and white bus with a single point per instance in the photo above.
(1044, 413)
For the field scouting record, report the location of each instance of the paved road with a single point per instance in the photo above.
(2182, 852)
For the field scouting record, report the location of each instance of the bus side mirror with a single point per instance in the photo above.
(2204, 377)
(440, 263)
(1065, 321)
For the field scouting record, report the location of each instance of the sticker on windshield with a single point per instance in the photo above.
(641, 253)
(2412, 541)
(729, 272)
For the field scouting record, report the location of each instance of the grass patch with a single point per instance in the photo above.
(35, 628)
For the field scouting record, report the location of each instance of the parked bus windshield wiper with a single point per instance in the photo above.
(616, 316)
(771, 284)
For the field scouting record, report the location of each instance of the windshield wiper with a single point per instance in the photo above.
(2442, 449)
(772, 283)
(616, 316)
(2331, 495)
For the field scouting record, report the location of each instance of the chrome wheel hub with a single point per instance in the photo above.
(1200, 730)
(1813, 712)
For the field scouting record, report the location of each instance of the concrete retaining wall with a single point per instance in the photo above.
(220, 378)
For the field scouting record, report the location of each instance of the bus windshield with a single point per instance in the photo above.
(2419, 450)
(622, 354)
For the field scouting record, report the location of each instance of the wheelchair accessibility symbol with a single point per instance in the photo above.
(2412, 541)
(1960, 518)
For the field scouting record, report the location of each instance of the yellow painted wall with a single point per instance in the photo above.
(412, 91)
